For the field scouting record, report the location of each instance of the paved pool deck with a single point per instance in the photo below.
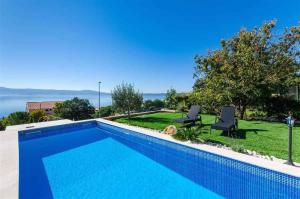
(9, 153)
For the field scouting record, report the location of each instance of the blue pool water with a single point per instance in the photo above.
(91, 160)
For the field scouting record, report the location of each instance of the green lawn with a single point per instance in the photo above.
(263, 137)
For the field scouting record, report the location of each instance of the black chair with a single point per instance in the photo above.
(227, 121)
(192, 116)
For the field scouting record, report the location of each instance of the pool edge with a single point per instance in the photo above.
(252, 160)
(9, 154)
(9, 164)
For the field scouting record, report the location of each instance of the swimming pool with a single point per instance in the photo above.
(97, 160)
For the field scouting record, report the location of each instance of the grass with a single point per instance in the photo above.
(263, 137)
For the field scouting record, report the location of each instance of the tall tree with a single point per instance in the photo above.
(126, 99)
(249, 67)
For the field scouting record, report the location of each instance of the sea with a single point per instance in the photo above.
(15, 102)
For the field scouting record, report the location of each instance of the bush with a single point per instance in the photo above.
(17, 118)
(52, 118)
(38, 116)
(147, 105)
(2, 125)
(182, 108)
(75, 109)
(188, 134)
(255, 113)
(238, 148)
(104, 112)
(280, 106)
(156, 104)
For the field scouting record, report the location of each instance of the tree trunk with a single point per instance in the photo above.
(128, 113)
(242, 110)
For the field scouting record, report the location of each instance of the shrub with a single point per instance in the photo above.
(148, 105)
(158, 104)
(182, 108)
(153, 105)
(238, 148)
(17, 118)
(38, 116)
(188, 134)
(255, 113)
(280, 106)
(104, 112)
(52, 118)
(75, 109)
(2, 125)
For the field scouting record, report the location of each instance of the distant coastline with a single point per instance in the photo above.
(12, 100)
(30, 91)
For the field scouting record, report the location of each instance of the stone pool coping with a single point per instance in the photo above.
(9, 153)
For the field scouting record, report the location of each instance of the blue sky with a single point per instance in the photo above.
(73, 44)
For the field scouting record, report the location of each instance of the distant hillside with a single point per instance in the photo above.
(28, 91)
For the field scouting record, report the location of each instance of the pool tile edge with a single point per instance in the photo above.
(267, 164)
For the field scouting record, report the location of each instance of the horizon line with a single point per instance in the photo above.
(82, 90)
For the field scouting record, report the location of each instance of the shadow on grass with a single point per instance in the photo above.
(214, 141)
(204, 125)
(257, 123)
(150, 120)
(241, 133)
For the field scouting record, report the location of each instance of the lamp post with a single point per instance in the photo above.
(99, 99)
(290, 122)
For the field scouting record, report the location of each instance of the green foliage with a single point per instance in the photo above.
(74, 109)
(255, 113)
(38, 116)
(17, 118)
(248, 68)
(158, 104)
(188, 134)
(238, 148)
(147, 105)
(181, 107)
(126, 99)
(171, 99)
(152, 105)
(280, 106)
(2, 125)
(105, 111)
(183, 102)
(269, 138)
